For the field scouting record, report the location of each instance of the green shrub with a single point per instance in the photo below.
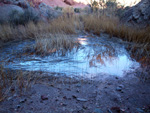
(77, 10)
(95, 4)
(111, 3)
(58, 8)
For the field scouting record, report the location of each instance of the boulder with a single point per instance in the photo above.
(31, 14)
(20, 12)
(21, 3)
(48, 12)
(7, 9)
(69, 2)
(138, 14)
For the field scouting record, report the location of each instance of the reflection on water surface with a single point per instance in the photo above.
(95, 57)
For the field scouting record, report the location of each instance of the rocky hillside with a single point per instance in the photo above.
(43, 9)
(63, 3)
(138, 14)
(16, 9)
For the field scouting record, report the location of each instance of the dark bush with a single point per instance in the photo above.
(77, 10)
(95, 4)
(111, 3)
(29, 15)
(58, 8)
(17, 18)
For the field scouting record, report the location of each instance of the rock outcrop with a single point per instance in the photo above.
(21, 3)
(14, 9)
(69, 2)
(138, 14)
(47, 11)
(64, 3)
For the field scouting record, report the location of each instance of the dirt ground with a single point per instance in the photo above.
(60, 94)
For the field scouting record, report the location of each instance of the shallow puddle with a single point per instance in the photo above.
(96, 57)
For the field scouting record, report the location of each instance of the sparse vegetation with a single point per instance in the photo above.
(68, 23)
(139, 49)
(53, 36)
(13, 82)
(112, 26)
(51, 47)
(53, 42)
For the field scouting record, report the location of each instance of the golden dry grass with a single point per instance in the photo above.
(112, 26)
(139, 49)
(48, 44)
(13, 82)
(61, 25)
(70, 23)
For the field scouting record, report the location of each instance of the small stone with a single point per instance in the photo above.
(115, 109)
(64, 97)
(116, 78)
(116, 99)
(68, 89)
(122, 92)
(78, 85)
(109, 83)
(84, 107)
(18, 106)
(31, 101)
(56, 99)
(63, 104)
(52, 85)
(23, 100)
(82, 99)
(121, 86)
(139, 110)
(69, 98)
(74, 96)
(97, 110)
(12, 89)
(119, 89)
(77, 90)
(9, 98)
(15, 95)
(43, 97)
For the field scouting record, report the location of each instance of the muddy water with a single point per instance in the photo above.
(96, 57)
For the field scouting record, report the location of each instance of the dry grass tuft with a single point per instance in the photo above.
(60, 43)
(13, 82)
(63, 24)
(68, 10)
(98, 24)
(112, 26)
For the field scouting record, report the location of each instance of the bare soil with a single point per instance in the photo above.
(60, 94)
